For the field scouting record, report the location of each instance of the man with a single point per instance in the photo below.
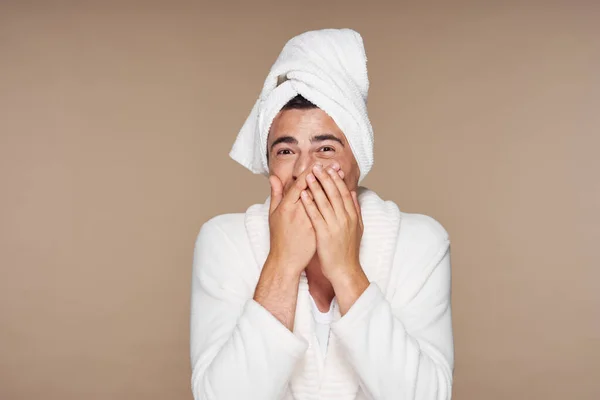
(325, 291)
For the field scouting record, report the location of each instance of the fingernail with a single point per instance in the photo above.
(341, 173)
(310, 177)
(335, 166)
(318, 167)
(330, 171)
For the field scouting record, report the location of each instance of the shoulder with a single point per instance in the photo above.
(223, 237)
(421, 237)
(222, 254)
(224, 226)
(422, 243)
(413, 227)
(423, 228)
(225, 221)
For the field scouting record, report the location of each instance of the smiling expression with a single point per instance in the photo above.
(300, 137)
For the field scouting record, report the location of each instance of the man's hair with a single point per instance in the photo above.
(299, 102)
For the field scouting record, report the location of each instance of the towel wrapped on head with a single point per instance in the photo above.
(329, 68)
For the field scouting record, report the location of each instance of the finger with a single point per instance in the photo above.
(320, 199)
(316, 218)
(310, 196)
(293, 193)
(324, 175)
(345, 195)
(308, 192)
(276, 192)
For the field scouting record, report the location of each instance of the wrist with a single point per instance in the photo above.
(284, 265)
(350, 279)
(275, 281)
(349, 286)
(283, 269)
(277, 291)
(343, 272)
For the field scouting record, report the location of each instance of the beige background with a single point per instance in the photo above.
(116, 119)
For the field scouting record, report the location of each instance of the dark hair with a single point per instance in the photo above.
(298, 102)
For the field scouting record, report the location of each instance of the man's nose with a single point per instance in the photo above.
(302, 163)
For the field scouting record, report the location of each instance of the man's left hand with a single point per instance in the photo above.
(336, 217)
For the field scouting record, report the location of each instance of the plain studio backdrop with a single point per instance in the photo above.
(116, 119)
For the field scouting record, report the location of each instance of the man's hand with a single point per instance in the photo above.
(293, 244)
(337, 220)
(293, 241)
(336, 217)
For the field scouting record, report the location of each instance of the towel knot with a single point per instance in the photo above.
(328, 68)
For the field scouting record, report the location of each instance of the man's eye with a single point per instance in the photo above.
(327, 147)
(281, 151)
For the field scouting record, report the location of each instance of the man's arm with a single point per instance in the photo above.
(403, 351)
(238, 348)
(277, 291)
(292, 247)
(244, 347)
(399, 349)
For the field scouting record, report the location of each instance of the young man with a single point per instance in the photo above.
(325, 291)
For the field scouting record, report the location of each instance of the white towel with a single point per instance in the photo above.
(329, 68)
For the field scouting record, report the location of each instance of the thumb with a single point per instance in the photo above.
(276, 192)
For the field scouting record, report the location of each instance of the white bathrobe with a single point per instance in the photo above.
(394, 343)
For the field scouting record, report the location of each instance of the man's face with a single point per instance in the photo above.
(300, 137)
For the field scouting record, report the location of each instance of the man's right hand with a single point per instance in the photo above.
(293, 240)
(293, 244)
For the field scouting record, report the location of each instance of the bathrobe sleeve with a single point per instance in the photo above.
(239, 350)
(403, 348)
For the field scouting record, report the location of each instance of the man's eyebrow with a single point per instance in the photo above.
(317, 138)
(284, 139)
(326, 136)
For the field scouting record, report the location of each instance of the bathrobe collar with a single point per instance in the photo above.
(314, 375)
